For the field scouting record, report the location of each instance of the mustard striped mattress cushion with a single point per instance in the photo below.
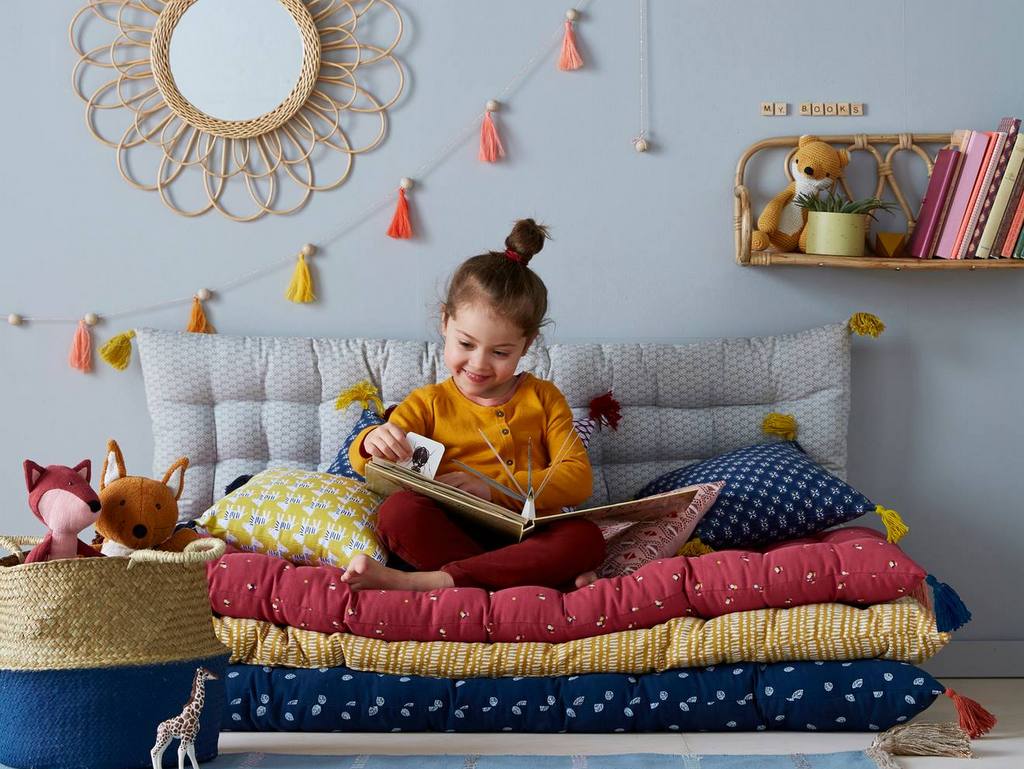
(902, 630)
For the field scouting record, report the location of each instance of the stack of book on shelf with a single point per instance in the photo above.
(974, 207)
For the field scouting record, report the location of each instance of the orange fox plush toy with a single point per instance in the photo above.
(139, 512)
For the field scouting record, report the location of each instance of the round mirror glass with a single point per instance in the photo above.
(236, 59)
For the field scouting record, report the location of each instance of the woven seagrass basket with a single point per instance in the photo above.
(96, 652)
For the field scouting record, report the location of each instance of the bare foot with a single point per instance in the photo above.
(364, 573)
(586, 578)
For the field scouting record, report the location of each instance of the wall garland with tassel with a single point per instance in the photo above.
(117, 350)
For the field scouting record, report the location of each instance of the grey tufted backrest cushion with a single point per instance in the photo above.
(238, 405)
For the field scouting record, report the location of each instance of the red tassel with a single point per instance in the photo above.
(605, 410)
(570, 58)
(490, 142)
(974, 719)
(80, 357)
(401, 227)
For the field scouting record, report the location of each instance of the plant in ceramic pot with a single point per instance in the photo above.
(837, 226)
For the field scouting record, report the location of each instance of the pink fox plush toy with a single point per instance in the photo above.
(61, 498)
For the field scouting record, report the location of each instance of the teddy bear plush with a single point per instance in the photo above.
(816, 168)
(139, 513)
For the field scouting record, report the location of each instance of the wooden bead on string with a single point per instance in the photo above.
(14, 319)
(308, 250)
(572, 15)
(204, 294)
(493, 105)
(406, 183)
(640, 145)
(91, 319)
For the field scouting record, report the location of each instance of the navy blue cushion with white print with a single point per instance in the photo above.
(865, 695)
(341, 465)
(773, 492)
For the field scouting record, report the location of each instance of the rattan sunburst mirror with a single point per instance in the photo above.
(189, 132)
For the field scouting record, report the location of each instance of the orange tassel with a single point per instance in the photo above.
(974, 719)
(197, 322)
(570, 58)
(490, 142)
(401, 227)
(80, 357)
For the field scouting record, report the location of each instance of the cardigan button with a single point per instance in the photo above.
(504, 431)
(508, 462)
(499, 413)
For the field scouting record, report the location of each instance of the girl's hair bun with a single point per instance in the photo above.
(527, 238)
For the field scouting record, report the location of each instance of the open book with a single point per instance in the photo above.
(385, 478)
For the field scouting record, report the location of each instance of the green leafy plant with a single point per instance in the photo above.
(837, 204)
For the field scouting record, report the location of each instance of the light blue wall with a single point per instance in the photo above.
(643, 248)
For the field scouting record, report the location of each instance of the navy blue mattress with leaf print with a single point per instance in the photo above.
(864, 695)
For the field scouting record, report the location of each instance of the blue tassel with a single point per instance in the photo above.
(950, 611)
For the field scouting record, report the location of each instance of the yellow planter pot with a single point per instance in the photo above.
(836, 234)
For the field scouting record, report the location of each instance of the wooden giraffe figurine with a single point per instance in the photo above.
(184, 726)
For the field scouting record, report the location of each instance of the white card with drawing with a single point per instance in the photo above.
(426, 455)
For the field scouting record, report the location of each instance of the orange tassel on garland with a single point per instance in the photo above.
(570, 58)
(197, 322)
(80, 356)
(401, 227)
(490, 142)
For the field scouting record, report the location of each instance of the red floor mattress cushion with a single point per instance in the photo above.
(851, 565)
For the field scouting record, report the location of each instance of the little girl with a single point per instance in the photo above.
(494, 309)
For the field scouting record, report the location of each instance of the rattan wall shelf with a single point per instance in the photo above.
(873, 144)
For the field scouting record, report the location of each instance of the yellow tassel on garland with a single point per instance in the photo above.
(118, 350)
(782, 425)
(895, 528)
(694, 548)
(364, 393)
(865, 324)
(197, 322)
(300, 290)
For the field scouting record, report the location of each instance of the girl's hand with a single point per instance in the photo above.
(388, 442)
(468, 483)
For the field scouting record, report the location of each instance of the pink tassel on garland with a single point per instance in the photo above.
(80, 356)
(490, 142)
(570, 58)
(401, 226)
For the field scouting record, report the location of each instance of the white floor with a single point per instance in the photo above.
(1002, 749)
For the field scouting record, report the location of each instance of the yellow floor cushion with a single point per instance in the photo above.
(903, 630)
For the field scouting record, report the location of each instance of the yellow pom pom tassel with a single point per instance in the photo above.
(694, 548)
(118, 350)
(300, 290)
(895, 528)
(782, 425)
(865, 324)
(363, 393)
(197, 322)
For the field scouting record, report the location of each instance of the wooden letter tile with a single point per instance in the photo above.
(843, 108)
(781, 108)
(817, 108)
(767, 108)
(856, 109)
(805, 108)
(830, 109)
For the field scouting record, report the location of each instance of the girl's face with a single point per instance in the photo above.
(482, 350)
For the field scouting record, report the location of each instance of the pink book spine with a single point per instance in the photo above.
(973, 158)
(980, 193)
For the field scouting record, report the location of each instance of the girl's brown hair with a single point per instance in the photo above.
(504, 280)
